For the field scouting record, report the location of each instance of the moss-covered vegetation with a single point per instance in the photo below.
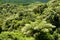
(37, 21)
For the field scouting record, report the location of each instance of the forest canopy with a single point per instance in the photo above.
(36, 21)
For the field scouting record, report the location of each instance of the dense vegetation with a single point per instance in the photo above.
(37, 21)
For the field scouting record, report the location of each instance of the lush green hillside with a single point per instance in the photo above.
(37, 21)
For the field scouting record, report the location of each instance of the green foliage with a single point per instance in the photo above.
(14, 36)
(37, 21)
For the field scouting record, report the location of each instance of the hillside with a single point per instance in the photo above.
(36, 21)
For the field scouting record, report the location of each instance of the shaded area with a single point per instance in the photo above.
(22, 1)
